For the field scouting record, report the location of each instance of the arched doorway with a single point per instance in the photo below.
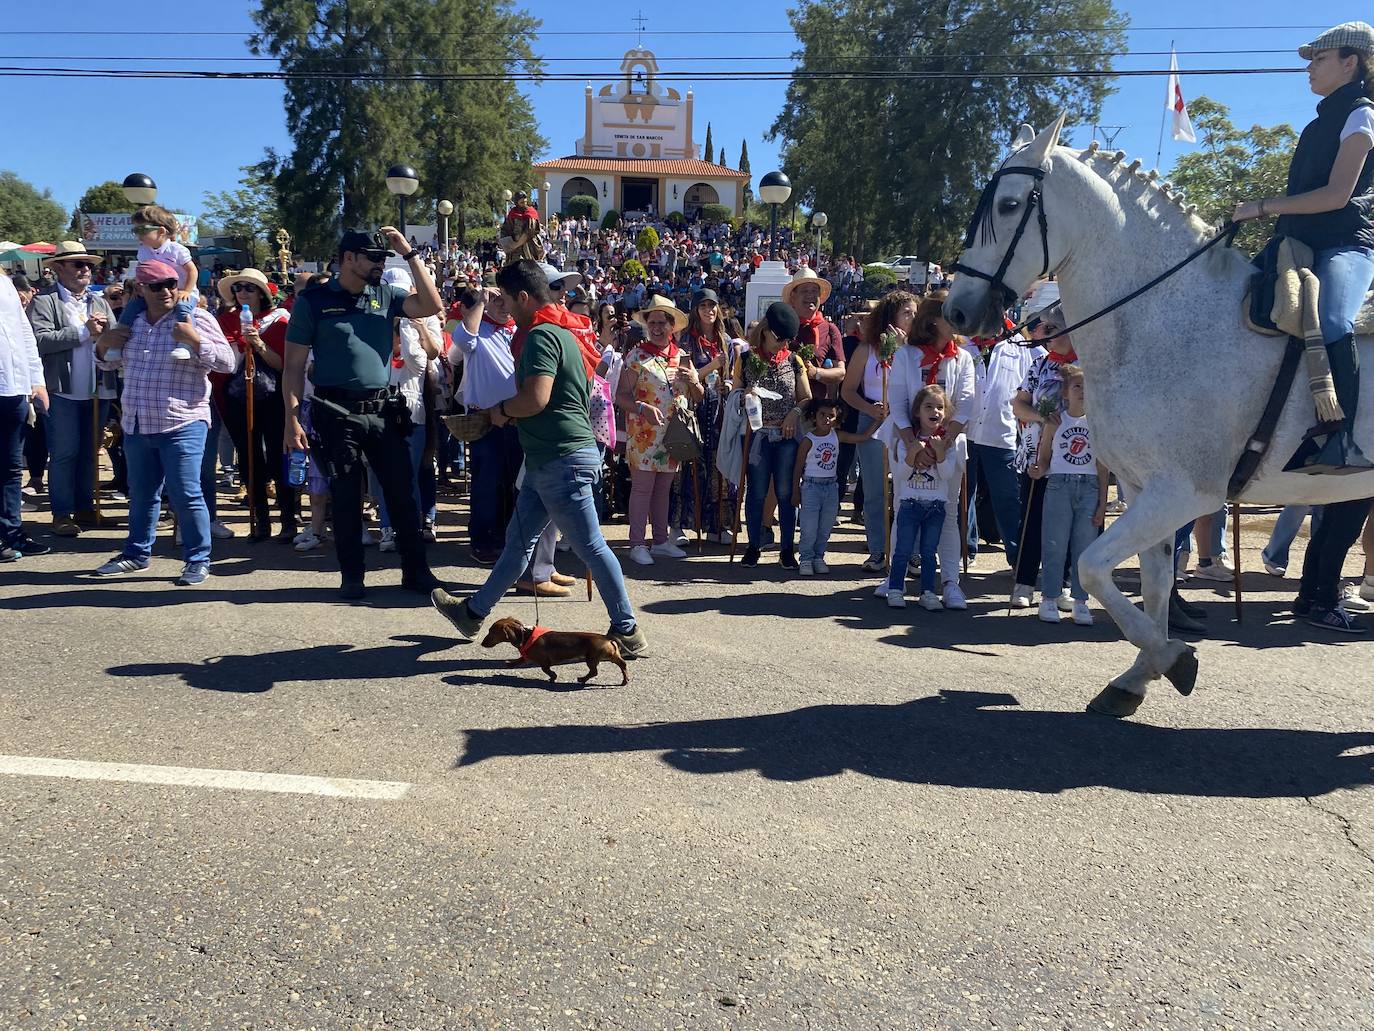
(698, 195)
(578, 186)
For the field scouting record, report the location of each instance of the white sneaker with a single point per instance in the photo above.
(1352, 599)
(1064, 601)
(1218, 569)
(1367, 588)
(1273, 570)
(219, 531)
(1049, 611)
(896, 599)
(724, 537)
(931, 603)
(820, 567)
(681, 539)
(388, 539)
(640, 554)
(667, 550)
(805, 569)
(1082, 615)
(881, 590)
(307, 541)
(874, 564)
(954, 597)
(25, 505)
(1181, 571)
(1022, 596)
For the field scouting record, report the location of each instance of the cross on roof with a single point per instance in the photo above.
(640, 21)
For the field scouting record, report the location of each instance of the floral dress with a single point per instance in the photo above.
(653, 386)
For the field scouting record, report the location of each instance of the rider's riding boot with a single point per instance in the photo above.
(1339, 453)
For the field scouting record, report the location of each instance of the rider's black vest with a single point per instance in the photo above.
(1352, 225)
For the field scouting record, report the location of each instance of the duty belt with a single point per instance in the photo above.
(358, 402)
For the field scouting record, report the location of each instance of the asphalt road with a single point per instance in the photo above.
(804, 811)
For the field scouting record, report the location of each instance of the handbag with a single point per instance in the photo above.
(468, 424)
(682, 440)
(602, 412)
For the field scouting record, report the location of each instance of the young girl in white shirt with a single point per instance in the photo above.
(1075, 499)
(816, 479)
(921, 476)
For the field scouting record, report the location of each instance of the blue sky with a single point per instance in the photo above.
(211, 128)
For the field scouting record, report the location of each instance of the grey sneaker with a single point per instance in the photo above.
(193, 574)
(633, 645)
(456, 611)
(122, 564)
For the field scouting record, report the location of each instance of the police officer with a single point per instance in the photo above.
(345, 328)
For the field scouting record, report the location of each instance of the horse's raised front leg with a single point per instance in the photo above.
(1149, 521)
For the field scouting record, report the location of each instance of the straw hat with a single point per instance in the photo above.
(661, 303)
(248, 275)
(70, 250)
(805, 275)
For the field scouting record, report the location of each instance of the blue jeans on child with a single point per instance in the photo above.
(820, 506)
(1066, 528)
(137, 306)
(1286, 528)
(919, 524)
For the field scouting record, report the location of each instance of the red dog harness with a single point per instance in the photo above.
(535, 632)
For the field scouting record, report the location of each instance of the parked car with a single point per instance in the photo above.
(908, 268)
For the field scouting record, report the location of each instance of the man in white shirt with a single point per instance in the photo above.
(21, 384)
(998, 371)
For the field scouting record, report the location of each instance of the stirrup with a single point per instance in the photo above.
(1324, 429)
(1339, 456)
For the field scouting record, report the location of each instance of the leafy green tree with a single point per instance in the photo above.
(26, 215)
(707, 150)
(468, 140)
(611, 219)
(898, 163)
(715, 214)
(105, 198)
(251, 212)
(647, 240)
(583, 206)
(1231, 165)
(631, 269)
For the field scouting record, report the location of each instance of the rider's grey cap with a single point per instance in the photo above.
(1356, 35)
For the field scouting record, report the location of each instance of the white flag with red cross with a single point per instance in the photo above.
(1183, 125)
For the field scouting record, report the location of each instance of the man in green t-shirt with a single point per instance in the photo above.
(562, 460)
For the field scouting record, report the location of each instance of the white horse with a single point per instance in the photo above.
(1175, 384)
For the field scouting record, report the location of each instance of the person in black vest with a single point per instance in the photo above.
(1330, 207)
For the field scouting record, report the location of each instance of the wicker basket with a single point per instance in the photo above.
(468, 424)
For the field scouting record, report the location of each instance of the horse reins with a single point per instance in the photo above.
(982, 217)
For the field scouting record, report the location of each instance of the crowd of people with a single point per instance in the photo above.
(576, 379)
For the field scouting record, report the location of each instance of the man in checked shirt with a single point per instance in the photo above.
(166, 406)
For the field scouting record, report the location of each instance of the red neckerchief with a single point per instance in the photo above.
(935, 356)
(529, 213)
(669, 353)
(776, 360)
(711, 348)
(535, 632)
(814, 321)
(508, 324)
(1062, 359)
(580, 326)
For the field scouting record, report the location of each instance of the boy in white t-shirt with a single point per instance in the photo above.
(1075, 499)
(156, 229)
(921, 495)
(816, 481)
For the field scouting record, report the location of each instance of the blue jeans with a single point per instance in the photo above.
(918, 528)
(772, 459)
(208, 459)
(71, 462)
(996, 468)
(14, 414)
(1183, 538)
(1286, 529)
(870, 454)
(173, 458)
(820, 505)
(563, 491)
(1345, 274)
(137, 306)
(416, 442)
(1066, 529)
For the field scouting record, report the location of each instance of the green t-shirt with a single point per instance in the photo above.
(565, 424)
(349, 334)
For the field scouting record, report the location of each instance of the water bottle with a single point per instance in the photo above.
(295, 467)
(753, 410)
(245, 318)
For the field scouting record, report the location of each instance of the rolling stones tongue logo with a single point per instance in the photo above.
(1075, 447)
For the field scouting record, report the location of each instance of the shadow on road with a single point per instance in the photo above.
(973, 739)
(259, 673)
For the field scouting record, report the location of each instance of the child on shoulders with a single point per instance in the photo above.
(1075, 499)
(816, 479)
(156, 229)
(922, 489)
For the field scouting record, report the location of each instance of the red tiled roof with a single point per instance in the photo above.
(651, 166)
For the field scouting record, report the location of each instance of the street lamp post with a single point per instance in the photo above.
(819, 219)
(544, 199)
(402, 180)
(445, 209)
(774, 189)
(140, 189)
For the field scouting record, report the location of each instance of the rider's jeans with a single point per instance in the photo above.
(1345, 274)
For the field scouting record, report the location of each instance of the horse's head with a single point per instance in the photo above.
(1007, 245)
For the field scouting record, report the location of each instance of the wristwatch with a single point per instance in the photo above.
(409, 255)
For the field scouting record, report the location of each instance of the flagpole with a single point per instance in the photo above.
(1159, 151)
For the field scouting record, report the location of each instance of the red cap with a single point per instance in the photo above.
(155, 272)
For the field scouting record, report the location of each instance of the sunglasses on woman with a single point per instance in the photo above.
(245, 286)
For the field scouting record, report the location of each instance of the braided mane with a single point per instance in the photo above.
(1168, 203)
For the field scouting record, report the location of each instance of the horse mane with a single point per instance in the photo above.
(1161, 202)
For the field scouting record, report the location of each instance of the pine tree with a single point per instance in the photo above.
(709, 151)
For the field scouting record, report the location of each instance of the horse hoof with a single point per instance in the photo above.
(1183, 673)
(1114, 702)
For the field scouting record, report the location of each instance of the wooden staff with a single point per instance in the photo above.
(95, 449)
(743, 483)
(887, 482)
(1235, 552)
(1025, 519)
(696, 499)
(963, 520)
(589, 583)
(248, 377)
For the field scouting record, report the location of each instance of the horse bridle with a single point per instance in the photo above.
(982, 219)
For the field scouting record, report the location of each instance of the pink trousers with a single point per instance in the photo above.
(649, 494)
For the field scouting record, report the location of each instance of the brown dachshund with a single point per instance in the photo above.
(549, 648)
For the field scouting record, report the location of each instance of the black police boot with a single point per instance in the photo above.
(1339, 454)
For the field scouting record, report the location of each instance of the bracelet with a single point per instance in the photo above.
(408, 257)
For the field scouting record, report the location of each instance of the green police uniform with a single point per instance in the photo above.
(350, 334)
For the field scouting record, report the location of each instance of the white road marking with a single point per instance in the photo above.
(234, 780)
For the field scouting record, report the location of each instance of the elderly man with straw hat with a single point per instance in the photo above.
(818, 341)
(67, 318)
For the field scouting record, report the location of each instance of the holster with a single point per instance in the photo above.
(330, 446)
(396, 414)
